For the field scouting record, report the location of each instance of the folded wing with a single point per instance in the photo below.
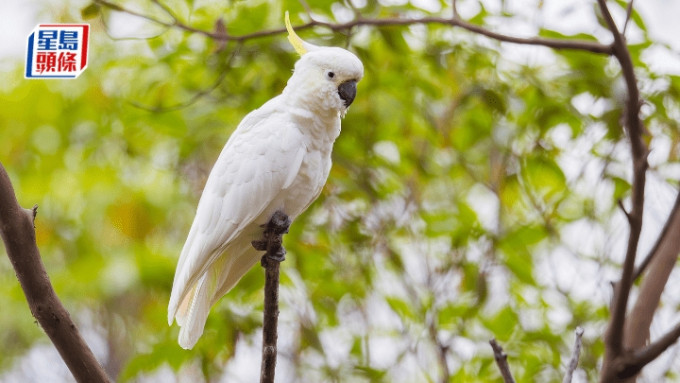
(259, 161)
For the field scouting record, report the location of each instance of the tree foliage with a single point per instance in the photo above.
(474, 192)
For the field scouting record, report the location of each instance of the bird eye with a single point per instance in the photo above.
(330, 74)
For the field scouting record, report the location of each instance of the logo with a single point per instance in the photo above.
(57, 51)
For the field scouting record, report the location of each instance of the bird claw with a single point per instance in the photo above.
(279, 223)
(260, 244)
(279, 256)
(271, 241)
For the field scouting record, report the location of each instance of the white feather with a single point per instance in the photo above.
(230, 204)
(278, 158)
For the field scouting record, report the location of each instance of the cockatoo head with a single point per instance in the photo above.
(324, 77)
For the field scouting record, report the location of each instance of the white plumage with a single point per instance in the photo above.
(278, 158)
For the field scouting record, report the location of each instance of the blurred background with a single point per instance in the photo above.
(473, 193)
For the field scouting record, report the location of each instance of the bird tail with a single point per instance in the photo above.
(221, 277)
(193, 313)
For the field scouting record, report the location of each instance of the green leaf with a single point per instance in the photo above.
(503, 323)
(516, 245)
(557, 35)
(373, 374)
(401, 307)
(480, 17)
(91, 11)
(544, 177)
(621, 187)
(521, 265)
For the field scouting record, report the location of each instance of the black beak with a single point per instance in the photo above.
(347, 91)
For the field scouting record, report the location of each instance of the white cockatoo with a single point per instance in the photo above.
(277, 159)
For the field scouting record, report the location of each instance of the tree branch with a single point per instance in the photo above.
(663, 258)
(573, 363)
(18, 233)
(623, 209)
(633, 126)
(275, 253)
(661, 239)
(629, 13)
(454, 8)
(196, 96)
(441, 349)
(643, 357)
(501, 361)
(589, 46)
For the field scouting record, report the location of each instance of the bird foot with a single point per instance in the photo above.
(279, 256)
(279, 223)
(271, 241)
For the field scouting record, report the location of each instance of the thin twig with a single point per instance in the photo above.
(270, 324)
(183, 104)
(655, 249)
(576, 353)
(629, 13)
(357, 13)
(308, 10)
(501, 361)
(167, 10)
(118, 8)
(275, 254)
(643, 357)
(663, 258)
(623, 209)
(633, 126)
(441, 349)
(18, 233)
(196, 96)
(588, 46)
(107, 30)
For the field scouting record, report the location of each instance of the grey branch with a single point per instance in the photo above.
(18, 233)
(275, 253)
(629, 14)
(576, 353)
(633, 126)
(583, 45)
(642, 357)
(661, 261)
(671, 226)
(501, 361)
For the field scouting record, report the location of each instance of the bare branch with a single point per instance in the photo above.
(357, 13)
(118, 8)
(573, 363)
(305, 5)
(501, 361)
(441, 349)
(633, 126)
(588, 46)
(662, 260)
(629, 13)
(196, 96)
(167, 10)
(623, 209)
(275, 254)
(18, 233)
(660, 240)
(643, 357)
(183, 104)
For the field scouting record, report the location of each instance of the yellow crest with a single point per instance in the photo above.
(294, 39)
